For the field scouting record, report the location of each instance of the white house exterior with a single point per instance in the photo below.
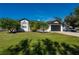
(55, 26)
(25, 25)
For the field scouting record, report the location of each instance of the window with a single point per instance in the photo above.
(24, 27)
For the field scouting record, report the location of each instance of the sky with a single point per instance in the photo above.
(36, 11)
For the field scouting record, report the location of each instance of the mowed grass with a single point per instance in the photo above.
(8, 39)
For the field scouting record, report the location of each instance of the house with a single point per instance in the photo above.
(25, 25)
(55, 25)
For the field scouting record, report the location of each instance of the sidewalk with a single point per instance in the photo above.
(70, 33)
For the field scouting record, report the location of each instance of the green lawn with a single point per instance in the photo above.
(8, 39)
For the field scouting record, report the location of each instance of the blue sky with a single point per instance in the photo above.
(38, 11)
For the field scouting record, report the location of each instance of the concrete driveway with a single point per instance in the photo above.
(70, 33)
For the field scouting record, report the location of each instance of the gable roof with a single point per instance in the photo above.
(23, 19)
(54, 22)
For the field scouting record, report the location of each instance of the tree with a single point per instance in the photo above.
(76, 13)
(35, 25)
(8, 23)
(73, 19)
(44, 26)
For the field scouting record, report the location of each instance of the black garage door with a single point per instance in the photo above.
(55, 27)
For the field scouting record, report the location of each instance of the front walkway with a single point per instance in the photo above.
(70, 33)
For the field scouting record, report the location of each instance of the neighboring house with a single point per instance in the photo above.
(25, 25)
(55, 26)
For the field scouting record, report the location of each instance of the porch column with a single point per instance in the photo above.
(61, 28)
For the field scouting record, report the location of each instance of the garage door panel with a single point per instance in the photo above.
(55, 27)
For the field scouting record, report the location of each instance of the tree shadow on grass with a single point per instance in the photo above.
(70, 50)
(42, 47)
(76, 52)
(38, 49)
(49, 47)
(23, 47)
